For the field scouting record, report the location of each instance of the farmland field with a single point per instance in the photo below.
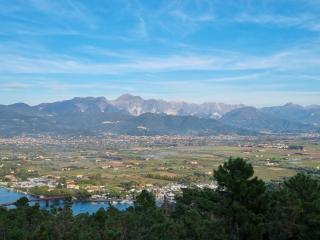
(121, 162)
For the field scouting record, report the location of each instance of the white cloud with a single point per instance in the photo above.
(14, 85)
(70, 9)
(189, 19)
(291, 59)
(140, 30)
(306, 20)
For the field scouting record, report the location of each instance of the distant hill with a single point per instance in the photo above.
(76, 116)
(79, 105)
(136, 106)
(98, 116)
(135, 116)
(159, 124)
(294, 112)
(258, 120)
(15, 123)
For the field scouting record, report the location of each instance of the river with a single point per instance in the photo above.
(7, 195)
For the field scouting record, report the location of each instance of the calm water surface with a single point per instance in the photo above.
(7, 195)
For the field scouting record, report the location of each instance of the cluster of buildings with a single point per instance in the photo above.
(169, 191)
(37, 182)
(273, 145)
(31, 182)
(118, 140)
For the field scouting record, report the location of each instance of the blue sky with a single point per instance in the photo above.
(253, 52)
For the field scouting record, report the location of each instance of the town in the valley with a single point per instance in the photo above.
(117, 168)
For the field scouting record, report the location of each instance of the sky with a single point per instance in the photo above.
(259, 52)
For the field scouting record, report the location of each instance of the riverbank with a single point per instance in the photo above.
(5, 186)
(11, 195)
(89, 198)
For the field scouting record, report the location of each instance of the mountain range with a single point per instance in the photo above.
(136, 106)
(134, 115)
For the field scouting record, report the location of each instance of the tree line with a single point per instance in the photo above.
(242, 207)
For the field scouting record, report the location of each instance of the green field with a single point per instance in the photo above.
(137, 163)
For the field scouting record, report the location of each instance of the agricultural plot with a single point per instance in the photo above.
(128, 163)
